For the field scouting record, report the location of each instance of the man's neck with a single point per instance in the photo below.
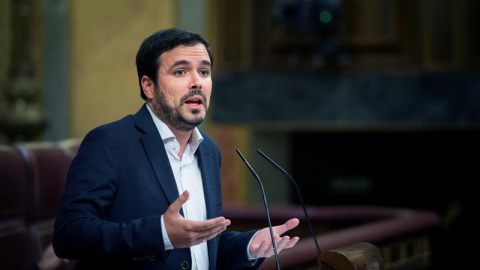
(182, 137)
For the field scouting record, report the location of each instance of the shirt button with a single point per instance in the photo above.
(184, 265)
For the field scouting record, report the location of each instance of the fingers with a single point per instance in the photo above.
(262, 246)
(189, 233)
(206, 230)
(185, 233)
(207, 226)
(286, 244)
(204, 227)
(265, 249)
(282, 243)
(209, 234)
(177, 204)
(262, 249)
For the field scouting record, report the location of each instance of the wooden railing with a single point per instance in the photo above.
(350, 237)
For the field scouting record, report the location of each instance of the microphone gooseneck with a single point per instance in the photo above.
(299, 195)
(265, 204)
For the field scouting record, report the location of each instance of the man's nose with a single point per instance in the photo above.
(195, 81)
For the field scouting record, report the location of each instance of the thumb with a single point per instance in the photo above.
(177, 204)
(290, 224)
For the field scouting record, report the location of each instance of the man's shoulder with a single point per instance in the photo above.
(109, 135)
(123, 123)
(209, 144)
(126, 122)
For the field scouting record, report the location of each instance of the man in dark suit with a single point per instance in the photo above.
(144, 192)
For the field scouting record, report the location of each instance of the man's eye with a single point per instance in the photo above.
(179, 72)
(205, 72)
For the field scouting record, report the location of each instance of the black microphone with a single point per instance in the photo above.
(265, 204)
(299, 195)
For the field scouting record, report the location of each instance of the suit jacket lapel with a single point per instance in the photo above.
(207, 168)
(156, 153)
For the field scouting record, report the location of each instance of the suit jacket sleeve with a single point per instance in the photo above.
(84, 228)
(232, 253)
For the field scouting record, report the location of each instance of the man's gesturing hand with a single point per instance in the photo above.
(261, 245)
(186, 233)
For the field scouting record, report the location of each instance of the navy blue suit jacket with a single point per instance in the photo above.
(118, 186)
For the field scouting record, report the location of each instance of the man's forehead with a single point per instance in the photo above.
(186, 54)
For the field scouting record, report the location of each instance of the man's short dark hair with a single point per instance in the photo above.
(148, 55)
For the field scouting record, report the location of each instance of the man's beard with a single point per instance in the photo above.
(173, 116)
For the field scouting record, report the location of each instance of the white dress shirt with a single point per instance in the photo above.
(187, 177)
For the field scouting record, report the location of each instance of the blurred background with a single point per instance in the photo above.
(368, 102)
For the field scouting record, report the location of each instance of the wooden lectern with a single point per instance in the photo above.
(358, 256)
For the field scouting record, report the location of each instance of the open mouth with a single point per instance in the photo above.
(194, 101)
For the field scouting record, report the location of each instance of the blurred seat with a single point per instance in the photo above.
(70, 146)
(47, 165)
(16, 244)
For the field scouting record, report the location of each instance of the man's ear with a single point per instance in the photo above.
(148, 86)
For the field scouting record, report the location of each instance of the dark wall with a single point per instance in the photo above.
(348, 100)
(419, 169)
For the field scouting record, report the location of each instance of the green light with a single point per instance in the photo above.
(325, 16)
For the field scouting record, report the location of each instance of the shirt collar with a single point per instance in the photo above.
(167, 135)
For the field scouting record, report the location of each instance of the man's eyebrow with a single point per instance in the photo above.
(206, 63)
(179, 63)
(185, 62)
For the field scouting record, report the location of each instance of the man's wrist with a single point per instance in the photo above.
(250, 257)
(166, 241)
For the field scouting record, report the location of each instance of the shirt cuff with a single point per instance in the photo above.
(166, 240)
(252, 259)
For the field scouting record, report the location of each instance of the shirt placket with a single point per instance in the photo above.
(184, 178)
